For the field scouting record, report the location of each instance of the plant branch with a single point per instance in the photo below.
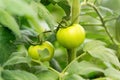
(97, 11)
(75, 11)
(102, 21)
(50, 68)
(71, 54)
(73, 62)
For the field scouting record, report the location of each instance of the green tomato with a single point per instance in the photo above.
(35, 52)
(71, 37)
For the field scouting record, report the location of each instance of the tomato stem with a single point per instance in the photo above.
(71, 54)
(75, 11)
(78, 57)
(102, 21)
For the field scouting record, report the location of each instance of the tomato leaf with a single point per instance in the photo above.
(45, 14)
(89, 11)
(45, 2)
(117, 29)
(104, 78)
(108, 3)
(83, 68)
(106, 12)
(1, 78)
(2, 4)
(74, 77)
(17, 60)
(54, 64)
(65, 6)
(23, 9)
(18, 75)
(1, 69)
(7, 20)
(113, 73)
(47, 75)
(7, 45)
(18, 57)
(98, 50)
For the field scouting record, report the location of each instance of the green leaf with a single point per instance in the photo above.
(54, 64)
(35, 24)
(17, 60)
(2, 4)
(106, 12)
(65, 6)
(117, 29)
(18, 75)
(73, 77)
(27, 35)
(104, 78)
(45, 14)
(89, 11)
(1, 78)
(113, 73)
(7, 45)
(102, 37)
(45, 2)
(19, 7)
(98, 50)
(83, 68)
(7, 20)
(1, 69)
(92, 44)
(47, 75)
(22, 8)
(18, 57)
(108, 3)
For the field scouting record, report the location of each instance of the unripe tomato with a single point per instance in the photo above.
(71, 37)
(34, 51)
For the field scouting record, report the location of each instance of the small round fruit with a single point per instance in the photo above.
(34, 51)
(71, 37)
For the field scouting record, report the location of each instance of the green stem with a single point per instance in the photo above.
(102, 21)
(71, 54)
(75, 11)
(64, 70)
(50, 68)
(82, 55)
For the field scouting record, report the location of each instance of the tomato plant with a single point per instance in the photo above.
(72, 36)
(35, 51)
(59, 40)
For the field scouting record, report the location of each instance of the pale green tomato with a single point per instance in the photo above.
(34, 51)
(71, 37)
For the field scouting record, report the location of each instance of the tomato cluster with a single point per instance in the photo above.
(69, 37)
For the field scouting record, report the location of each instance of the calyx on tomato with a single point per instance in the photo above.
(71, 37)
(43, 52)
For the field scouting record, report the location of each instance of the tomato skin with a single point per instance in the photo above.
(33, 51)
(71, 37)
